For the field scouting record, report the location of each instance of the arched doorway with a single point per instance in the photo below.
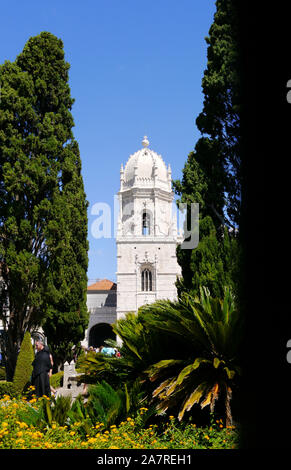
(99, 333)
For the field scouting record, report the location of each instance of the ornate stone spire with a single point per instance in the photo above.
(145, 141)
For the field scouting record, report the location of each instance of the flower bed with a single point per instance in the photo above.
(18, 430)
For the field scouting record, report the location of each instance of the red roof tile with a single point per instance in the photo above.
(104, 284)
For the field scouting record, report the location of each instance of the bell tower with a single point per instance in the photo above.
(147, 237)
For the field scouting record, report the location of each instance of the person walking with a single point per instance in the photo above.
(41, 368)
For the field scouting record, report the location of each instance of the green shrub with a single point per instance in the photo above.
(106, 404)
(7, 388)
(31, 416)
(24, 366)
(80, 358)
(56, 380)
(2, 373)
(56, 410)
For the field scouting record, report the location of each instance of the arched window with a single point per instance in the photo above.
(146, 280)
(145, 223)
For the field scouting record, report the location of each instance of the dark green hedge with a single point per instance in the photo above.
(24, 367)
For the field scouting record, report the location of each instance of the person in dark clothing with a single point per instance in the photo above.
(41, 367)
(46, 348)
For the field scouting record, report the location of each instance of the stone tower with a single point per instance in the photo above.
(147, 232)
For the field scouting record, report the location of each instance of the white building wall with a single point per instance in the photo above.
(136, 251)
(102, 308)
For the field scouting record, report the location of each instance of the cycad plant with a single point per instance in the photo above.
(180, 353)
(208, 368)
(140, 348)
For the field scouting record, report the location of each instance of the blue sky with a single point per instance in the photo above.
(136, 69)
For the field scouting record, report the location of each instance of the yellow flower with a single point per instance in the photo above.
(72, 433)
(92, 440)
(171, 417)
(19, 441)
(19, 434)
(4, 424)
(206, 437)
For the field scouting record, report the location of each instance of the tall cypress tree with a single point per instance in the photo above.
(43, 216)
(212, 174)
(214, 263)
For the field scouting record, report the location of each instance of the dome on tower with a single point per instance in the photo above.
(146, 168)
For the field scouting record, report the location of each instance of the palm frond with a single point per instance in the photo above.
(194, 398)
(155, 370)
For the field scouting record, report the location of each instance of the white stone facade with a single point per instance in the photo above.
(147, 238)
(101, 304)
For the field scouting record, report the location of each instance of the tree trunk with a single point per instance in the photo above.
(228, 394)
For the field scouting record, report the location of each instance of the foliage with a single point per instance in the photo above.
(212, 331)
(19, 429)
(24, 366)
(7, 388)
(213, 264)
(212, 173)
(2, 373)
(56, 379)
(56, 410)
(195, 361)
(141, 347)
(43, 239)
(103, 404)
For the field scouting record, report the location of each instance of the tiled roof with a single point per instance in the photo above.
(104, 284)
